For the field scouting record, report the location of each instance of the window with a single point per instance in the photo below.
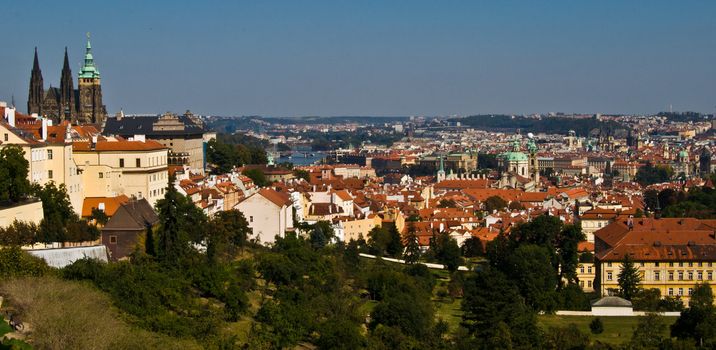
(609, 276)
(609, 264)
(581, 284)
(681, 291)
(691, 264)
(709, 264)
(657, 276)
(641, 264)
(49, 154)
(656, 264)
(691, 275)
(101, 175)
(671, 291)
(700, 275)
(589, 283)
(671, 275)
(581, 269)
(49, 174)
(7, 138)
(251, 219)
(681, 264)
(701, 264)
(690, 291)
(121, 162)
(710, 275)
(113, 239)
(671, 264)
(589, 269)
(139, 163)
(681, 275)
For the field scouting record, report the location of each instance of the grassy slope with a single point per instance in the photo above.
(617, 330)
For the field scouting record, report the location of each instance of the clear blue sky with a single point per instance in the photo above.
(290, 58)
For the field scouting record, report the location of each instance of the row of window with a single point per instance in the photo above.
(680, 275)
(680, 264)
(138, 161)
(581, 269)
(670, 291)
(589, 284)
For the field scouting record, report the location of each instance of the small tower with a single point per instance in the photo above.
(533, 163)
(441, 172)
(90, 108)
(37, 88)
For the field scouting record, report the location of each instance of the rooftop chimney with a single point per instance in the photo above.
(44, 129)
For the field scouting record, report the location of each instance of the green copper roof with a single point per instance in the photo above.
(88, 70)
(513, 156)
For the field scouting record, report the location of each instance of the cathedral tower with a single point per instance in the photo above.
(67, 92)
(37, 89)
(90, 107)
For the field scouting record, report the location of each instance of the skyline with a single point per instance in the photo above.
(402, 58)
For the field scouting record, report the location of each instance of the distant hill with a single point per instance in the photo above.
(555, 125)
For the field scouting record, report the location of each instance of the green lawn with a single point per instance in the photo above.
(4, 327)
(617, 330)
(449, 311)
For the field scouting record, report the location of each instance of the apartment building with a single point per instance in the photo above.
(671, 254)
(112, 167)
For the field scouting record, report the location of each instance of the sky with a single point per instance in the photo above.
(364, 57)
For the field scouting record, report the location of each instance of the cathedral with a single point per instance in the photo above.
(80, 106)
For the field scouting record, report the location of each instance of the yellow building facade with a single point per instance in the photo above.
(672, 254)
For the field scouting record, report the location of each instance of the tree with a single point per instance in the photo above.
(566, 337)
(19, 233)
(567, 242)
(472, 247)
(596, 326)
(648, 332)
(228, 232)
(412, 246)
(495, 203)
(650, 174)
(446, 251)
(301, 174)
(99, 216)
(629, 279)
(698, 322)
(180, 222)
(532, 272)
(14, 185)
(321, 234)
(378, 240)
(224, 156)
(412, 314)
(257, 176)
(57, 211)
(395, 244)
(490, 298)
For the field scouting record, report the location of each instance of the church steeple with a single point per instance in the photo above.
(67, 91)
(88, 70)
(89, 103)
(37, 89)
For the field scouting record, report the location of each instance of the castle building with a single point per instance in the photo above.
(80, 106)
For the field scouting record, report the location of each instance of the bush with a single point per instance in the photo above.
(14, 262)
(596, 326)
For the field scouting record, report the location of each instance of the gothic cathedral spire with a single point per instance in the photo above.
(67, 91)
(37, 89)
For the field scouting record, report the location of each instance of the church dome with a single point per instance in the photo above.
(513, 156)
